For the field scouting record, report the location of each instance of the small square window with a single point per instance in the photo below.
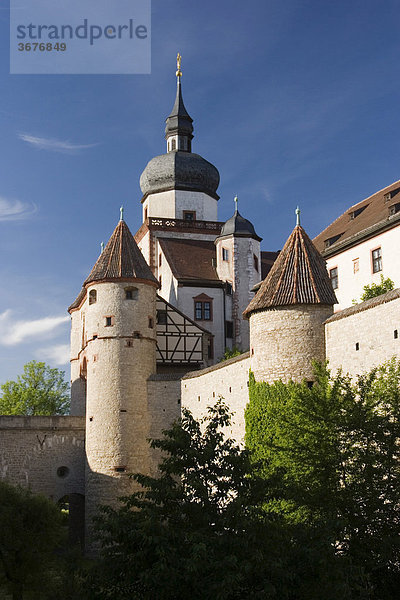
(109, 321)
(189, 215)
(151, 323)
(131, 293)
(357, 346)
(225, 254)
(162, 317)
(395, 334)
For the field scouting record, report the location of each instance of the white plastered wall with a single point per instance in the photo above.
(172, 203)
(351, 283)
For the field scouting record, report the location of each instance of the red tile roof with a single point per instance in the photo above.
(298, 276)
(361, 220)
(267, 260)
(121, 259)
(190, 259)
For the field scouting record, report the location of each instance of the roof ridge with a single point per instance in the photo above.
(356, 204)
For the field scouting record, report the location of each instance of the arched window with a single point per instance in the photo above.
(92, 296)
(173, 145)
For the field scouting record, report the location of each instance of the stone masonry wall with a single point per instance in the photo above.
(365, 335)
(284, 341)
(228, 379)
(164, 404)
(32, 450)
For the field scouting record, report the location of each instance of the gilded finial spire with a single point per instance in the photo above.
(121, 213)
(178, 65)
(297, 211)
(236, 200)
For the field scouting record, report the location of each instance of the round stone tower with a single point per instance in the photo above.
(239, 265)
(116, 316)
(287, 313)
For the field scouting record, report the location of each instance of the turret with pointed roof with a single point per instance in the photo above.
(298, 276)
(121, 259)
(288, 312)
(113, 354)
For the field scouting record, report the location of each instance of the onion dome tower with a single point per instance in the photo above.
(113, 346)
(239, 264)
(179, 180)
(287, 313)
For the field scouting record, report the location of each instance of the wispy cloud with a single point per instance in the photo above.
(63, 146)
(55, 355)
(13, 332)
(15, 210)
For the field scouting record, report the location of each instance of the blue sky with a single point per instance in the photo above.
(295, 102)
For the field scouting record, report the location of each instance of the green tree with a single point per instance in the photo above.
(197, 531)
(376, 289)
(40, 390)
(30, 530)
(230, 353)
(333, 452)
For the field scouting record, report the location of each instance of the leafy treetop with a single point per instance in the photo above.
(376, 289)
(40, 390)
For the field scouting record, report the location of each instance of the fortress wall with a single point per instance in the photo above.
(229, 379)
(164, 403)
(33, 448)
(371, 325)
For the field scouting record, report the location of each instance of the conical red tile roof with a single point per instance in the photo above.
(298, 276)
(121, 259)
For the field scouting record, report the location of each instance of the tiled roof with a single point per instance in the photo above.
(267, 260)
(371, 303)
(79, 299)
(121, 259)
(362, 219)
(298, 276)
(190, 259)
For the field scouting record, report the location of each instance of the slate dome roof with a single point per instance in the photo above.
(181, 171)
(239, 227)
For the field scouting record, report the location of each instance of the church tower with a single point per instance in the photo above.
(287, 313)
(179, 184)
(239, 265)
(114, 352)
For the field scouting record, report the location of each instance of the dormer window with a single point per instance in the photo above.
(394, 209)
(173, 145)
(332, 240)
(92, 296)
(225, 254)
(357, 212)
(189, 215)
(389, 195)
